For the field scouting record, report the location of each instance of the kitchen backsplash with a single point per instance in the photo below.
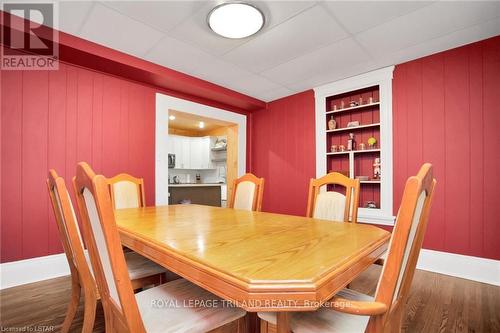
(216, 175)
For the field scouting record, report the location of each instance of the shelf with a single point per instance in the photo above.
(219, 160)
(354, 151)
(369, 181)
(219, 149)
(352, 128)
(353, 108)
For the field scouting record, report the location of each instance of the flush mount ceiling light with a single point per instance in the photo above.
(235, 20)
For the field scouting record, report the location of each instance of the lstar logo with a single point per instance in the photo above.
(29, 37)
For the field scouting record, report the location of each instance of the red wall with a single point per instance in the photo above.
(53, 119)
(446, 111)
(283, 151)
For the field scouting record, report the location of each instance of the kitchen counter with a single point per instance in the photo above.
(195, 185)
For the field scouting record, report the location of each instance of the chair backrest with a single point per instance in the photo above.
(69, 231)
(126, 191)
(333, 205)
(404, 247)
(105, 250)
(247, 193)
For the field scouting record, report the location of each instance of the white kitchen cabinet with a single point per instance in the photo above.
(191, 152)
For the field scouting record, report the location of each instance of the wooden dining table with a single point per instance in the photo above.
(258, 261)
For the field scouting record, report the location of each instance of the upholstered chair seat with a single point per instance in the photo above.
(169, 308)
(325, 319)
(138, 266)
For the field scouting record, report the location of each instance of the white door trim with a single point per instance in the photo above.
(165, 103)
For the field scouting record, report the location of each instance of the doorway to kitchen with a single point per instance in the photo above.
(200, 150)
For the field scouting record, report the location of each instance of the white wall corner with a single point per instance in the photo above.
(466, 267)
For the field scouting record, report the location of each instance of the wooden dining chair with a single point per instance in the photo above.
(126, 191)
(152, 310)
(351, 311)
(332, 205)
(141, 271)
(247, 193)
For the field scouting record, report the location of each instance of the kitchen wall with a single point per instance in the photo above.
(446, 111)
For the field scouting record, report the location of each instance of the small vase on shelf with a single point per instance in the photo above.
(332, 124)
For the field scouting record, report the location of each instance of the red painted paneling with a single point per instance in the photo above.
(445, 111)
(283, 152)
(53, 119)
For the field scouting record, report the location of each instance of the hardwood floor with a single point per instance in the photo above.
(437, 303)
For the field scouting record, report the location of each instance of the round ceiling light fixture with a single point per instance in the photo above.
(235, 20)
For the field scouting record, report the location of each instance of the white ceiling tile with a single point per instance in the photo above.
(72, 15)
(110, 28)
(309, 30)
(357, 16)
(195, 29)
(254, 84)
(465, 36)
(177, 55)
(424, 24)
(271, 95)
(325, 61)
(161, 15)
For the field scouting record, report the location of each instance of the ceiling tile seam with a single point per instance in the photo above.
(314, 4)
(301, 55)
(85, 19)
(133, 19)
(441, 36)
(335, 18)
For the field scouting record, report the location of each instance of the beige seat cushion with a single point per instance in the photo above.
(170, 308)
(326, 320)
(330, 206)
(243, 198)
(138, 266)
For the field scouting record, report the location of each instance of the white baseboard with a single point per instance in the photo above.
(466, 267)
(33, 270)
(472, 268)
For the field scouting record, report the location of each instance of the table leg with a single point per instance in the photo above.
(283, 322)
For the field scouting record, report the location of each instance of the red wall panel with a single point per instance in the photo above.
(53, 119)
(446, 111)
(283, 152)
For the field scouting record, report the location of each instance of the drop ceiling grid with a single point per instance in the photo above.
(368, 31)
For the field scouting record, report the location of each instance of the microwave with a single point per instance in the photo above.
(171, 161)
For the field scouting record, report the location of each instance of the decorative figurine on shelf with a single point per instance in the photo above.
(353, 104)
(353, 123)
(341, 148)
(332, 124)
(334, 148)
(341, 104)
(372, 142)
(376, 168)
(370, 100)
(361, 146)
(361, 101)
(370, 204)
(334, 107)
(351, 143)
